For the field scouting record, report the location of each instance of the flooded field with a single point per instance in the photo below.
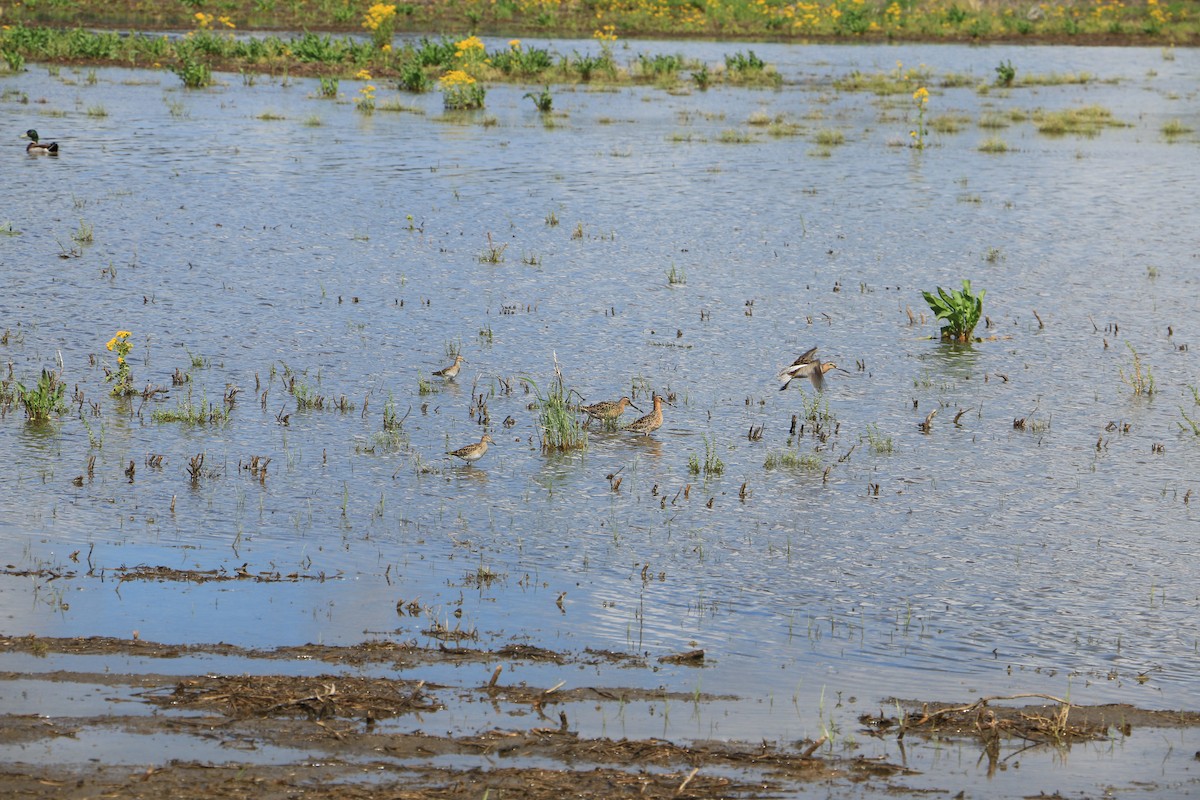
(292, 272)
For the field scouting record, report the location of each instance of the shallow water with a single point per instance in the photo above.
(1060, 558)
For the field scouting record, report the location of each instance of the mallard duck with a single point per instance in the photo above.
(472, 452)
(651, 422)
(807, 366)
(37, 148)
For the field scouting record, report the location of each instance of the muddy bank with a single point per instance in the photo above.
(352, 735)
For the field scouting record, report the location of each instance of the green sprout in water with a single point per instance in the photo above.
(1139, 377)
(44, 399)
(1005, 73)
(712, 465)
(959, 310)
(543, 100)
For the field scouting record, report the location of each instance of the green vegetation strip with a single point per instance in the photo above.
(1086, 20)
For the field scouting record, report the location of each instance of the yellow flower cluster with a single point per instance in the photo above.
(454, 79)
(377, 15)
(921, 95)
(607, 33)
(114, 341)
(469, 47)
(121, 344)
(363, 75)
(205, 21)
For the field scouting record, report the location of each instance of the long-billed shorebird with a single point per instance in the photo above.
(472, 452)
(807, 366)
(451, 372)
(607, 410)
(651, 422)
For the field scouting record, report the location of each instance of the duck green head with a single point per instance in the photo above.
(30, 134)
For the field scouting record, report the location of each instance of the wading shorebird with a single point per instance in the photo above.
(451, 372)
(807, 366)
(472, 452)
(37, 148)
(651, 422)
(607, 410)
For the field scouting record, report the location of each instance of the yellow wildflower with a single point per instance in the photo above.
(363, 75)
(378, 15)
(515, 44)
(921, 95)
(455, 78)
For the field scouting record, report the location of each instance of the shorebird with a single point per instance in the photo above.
(38, 148)
(607, 410)
(807, 366)
(451, 372)
(651, 422)
(472, 452)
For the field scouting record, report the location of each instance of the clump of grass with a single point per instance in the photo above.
(994, 120)
(712, 464)
(1057, 79)
(676, 276)
(787, 459)
(493, 253)
(733, 136)
(879, 443)
(1083, 121)
(191, 413)
(395, 106)
(1138, 378)
(815, 408)
(558, 424)
(83, 234)
(97, 111)
(424, 385)
(271, 116)
(993, 144)
(829, 137)
(307, 397)
(948, 123)
(1173, 129)
(329, 87)
(44, 399)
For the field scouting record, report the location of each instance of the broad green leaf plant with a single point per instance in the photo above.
(959, 311)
